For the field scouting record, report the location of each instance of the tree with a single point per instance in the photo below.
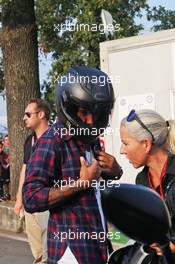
(20, 60)
(1, 77)
(72, 30)
(162, 18)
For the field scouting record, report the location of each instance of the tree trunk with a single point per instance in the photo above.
(20, 58)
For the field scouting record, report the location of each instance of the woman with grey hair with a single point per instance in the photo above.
(149, 140)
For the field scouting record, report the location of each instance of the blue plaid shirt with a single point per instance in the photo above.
(77, 222)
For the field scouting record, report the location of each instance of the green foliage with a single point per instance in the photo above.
(71, 47)
(5, 2)
(162, 18)
(78, 42)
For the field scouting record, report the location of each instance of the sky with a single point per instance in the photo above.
(169, 4)
(45, 62)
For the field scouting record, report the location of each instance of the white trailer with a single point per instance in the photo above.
(142, 70)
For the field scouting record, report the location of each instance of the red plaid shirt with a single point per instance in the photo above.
(5, 158)
(77, 223)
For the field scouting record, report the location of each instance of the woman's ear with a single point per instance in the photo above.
(147, 145)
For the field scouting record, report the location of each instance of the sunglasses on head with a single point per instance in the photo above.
(28, 114)
(133, 116)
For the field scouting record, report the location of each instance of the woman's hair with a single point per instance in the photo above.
(171, 135)
(162, 130)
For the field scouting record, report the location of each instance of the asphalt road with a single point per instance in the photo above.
(13, 251)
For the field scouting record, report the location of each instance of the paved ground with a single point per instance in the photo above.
(14, 249)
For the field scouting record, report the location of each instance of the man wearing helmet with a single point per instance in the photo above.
(62, 169)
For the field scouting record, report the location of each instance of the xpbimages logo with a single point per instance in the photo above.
(80, 131)
(95, 184)
(80, 235)
(101, 79)
(82, 27)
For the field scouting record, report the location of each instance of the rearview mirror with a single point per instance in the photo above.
(138, 212)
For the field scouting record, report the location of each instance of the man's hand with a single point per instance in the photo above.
(89, 172)
(18, 207)
(157, 248)
(19, 204)
(109, 163)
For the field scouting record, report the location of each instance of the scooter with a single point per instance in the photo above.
(139, 213)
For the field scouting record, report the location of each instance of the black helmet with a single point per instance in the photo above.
(88, 88)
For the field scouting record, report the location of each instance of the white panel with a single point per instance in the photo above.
(140, 67)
